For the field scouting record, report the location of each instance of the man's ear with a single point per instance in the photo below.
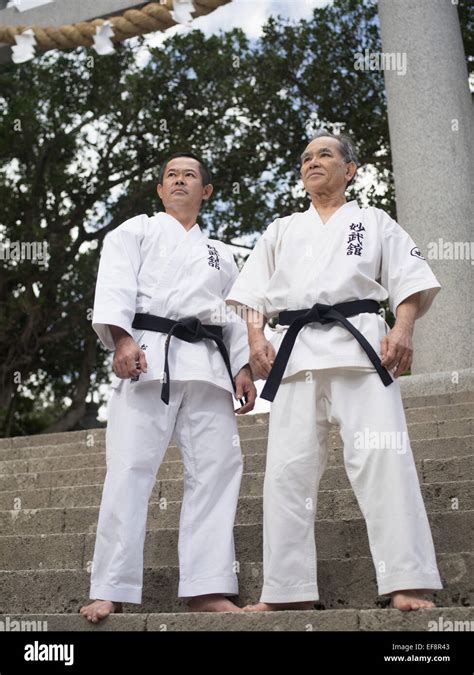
(159, 190)
(351, 169)
(207, 191)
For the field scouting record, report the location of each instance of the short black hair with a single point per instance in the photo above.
(203, 168)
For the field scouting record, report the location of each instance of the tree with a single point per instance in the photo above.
(81, 142)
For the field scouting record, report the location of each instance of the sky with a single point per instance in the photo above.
(249, 15)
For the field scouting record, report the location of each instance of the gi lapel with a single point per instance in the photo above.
(317, 243)
(173, 266)
(327, 233)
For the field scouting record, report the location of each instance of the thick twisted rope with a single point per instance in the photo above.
(152, 17)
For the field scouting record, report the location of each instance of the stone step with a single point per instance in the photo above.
(170, 470)
(439, 413)
(432, 401)
(452, 532)
(95, 442)
(34, 496)
(254, 465)
(332, 505)
(342, 584)
(461, 426)
(448, 469)
(427, 400)
(313, 620)
(69, 455)
(426, 448)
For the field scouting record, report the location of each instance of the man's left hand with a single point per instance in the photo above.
(245, 389)
(397, 349)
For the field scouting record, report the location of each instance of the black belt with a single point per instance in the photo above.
(321, 314)
(189, 329)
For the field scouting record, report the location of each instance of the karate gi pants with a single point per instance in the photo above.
(384, 481)
(139, 429)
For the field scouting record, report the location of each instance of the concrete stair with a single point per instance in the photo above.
(50, 491)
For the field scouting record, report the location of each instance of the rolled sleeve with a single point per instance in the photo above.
(251, 285)
(117, 281)
(235, 329)
(404, 271)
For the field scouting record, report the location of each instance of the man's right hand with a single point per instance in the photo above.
(129, 359)
(262, 356)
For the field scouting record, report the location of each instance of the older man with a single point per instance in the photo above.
(322, 274)
(179, 357)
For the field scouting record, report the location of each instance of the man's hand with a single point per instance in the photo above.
(262, 353)
(397, 346)
(129, 359)
(245, 389)
(262, 356)
(397, 349)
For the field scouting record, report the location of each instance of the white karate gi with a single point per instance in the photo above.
(153, 265)
(357, 254)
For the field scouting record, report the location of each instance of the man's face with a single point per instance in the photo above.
(323, 168)
(182, 184)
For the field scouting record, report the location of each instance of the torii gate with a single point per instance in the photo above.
(431, 132)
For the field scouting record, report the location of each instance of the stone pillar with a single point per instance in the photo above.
(432, 142)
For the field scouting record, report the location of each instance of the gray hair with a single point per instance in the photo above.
(346, 147)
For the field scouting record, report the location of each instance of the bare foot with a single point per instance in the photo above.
(407, 600)
(278, 606)
(211, 603)
(99, 609)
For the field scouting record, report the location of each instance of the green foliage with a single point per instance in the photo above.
(82, 138)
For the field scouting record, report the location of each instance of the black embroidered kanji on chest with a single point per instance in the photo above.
(355, 239)
(213, 257)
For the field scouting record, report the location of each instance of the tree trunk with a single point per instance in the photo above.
(78, 406)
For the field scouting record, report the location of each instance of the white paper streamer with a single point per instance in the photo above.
(25, 47)
(182, 11)
(102, 43)
(25, 5)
